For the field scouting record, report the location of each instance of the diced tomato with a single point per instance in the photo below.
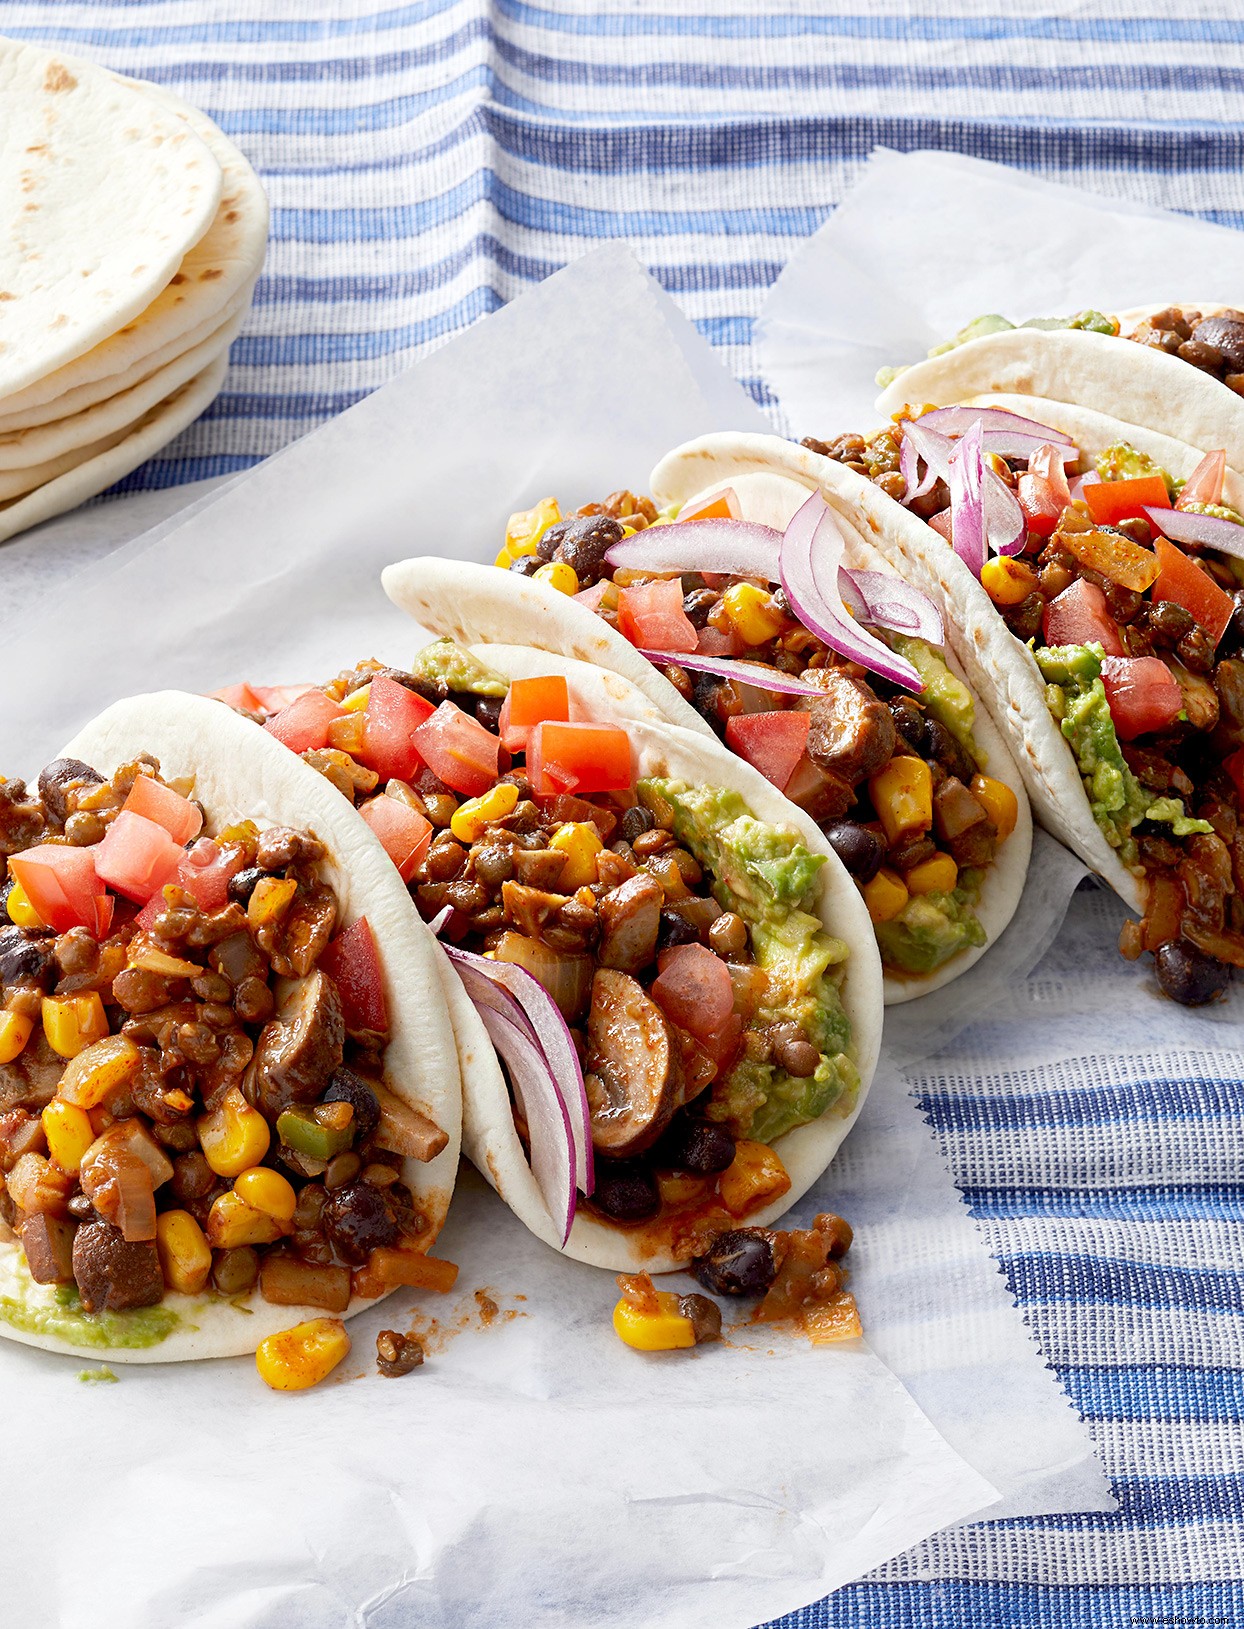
(303, 725)
(694, 989)
(1042, 491)
(1180, 579)
(941, 524)
(772, 742)
(532, 701)
(1143, 694)
(1109, 502)
(61, 883)
(353, 963)
(1080, 616)
(459, 750)
(719, 642)
(180, 818)
(238, 695)
(1234, 766)
(723, 505)
(1204, 485)
(274, 697)
(651, 616)
(136, 857)
(204, 872)
(578, 758)
(723, 1043)
(592, 597)
(403, 831)
(391, 717)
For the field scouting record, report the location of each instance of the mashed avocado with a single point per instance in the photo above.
(769, 877)
(1076, 697)
(946, 697)
(1122, 462)
(44, 1309)
(931, 928)
(1219, 510)
(1094, 322)
(446, 662)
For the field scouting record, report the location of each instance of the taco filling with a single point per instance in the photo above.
(1128, 586)
(1212, 343)
(191, 1068)
(880, 754)
(673, 932)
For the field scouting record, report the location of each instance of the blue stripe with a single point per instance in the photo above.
(1084, 1278)
(1156, 1391)
(1167, 1202)
(1180, 1099)
(953, 1603)
(159, 473)
(266, 350)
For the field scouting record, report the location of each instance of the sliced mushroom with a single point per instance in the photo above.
(634, 1074)
(299, 1049)
(48, 1243)
(403, 1130)
(852, 733)
(630, 918)
(113, 1275)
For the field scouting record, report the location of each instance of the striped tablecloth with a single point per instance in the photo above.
(427, 161)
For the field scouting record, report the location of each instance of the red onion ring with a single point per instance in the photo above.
(726, 667)
(1209, 531)
(1005, 524)
(967, 501)
(957, 420)
(919, 438)
(890, 602)
(734, 548)
(812, 589)
(548, 1124)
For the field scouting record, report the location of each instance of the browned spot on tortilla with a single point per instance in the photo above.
(493, 1172)
(58, 78)
(60, 321)
(31, 209)
(211, 274)
(232, 215)
(177, 277)
(39, 147)
(5, 295)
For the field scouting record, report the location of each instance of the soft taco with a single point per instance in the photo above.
(873, 732)
(1176, 368)
(226, 1100)
(676, 970)
(1108, 639)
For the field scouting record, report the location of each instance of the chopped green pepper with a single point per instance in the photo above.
(300, 1130)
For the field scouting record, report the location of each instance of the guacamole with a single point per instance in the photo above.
(44, 1309)
(768, 877)
(443, 661)
(1122, 462)
(946, 697)
(931, 928)
(1094, 322)
(1076, 697)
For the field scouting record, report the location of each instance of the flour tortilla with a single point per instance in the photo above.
(243, 773)
(104, 192)
(489, 1138)
(212, 286)
(1134, 383)
(1002, 673)
(470, 603)
(95, 474)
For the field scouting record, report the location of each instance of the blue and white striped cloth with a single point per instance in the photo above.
(426, 162)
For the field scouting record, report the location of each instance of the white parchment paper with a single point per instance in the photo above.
(926, 241)
(535, 1471)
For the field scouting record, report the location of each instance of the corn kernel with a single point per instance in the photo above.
(753, 615)
(21, 912)
(503, 558)
(15, 1030)
(525, 528)
(580, 842)
(293, 1359)
(69, 1132)
(271, 898)
(98, 1070)
(755, 1177)
(559, 575)
(885, 895)
(471, 819)
(234, 1136)
(266, 1191)
(231, 1223)
(1001, 804)
(74, 1022)
(680, 1188)
(185, 1256)
(936, 875)
(665, 1330)
(357, 700)
(902, 794)
(1007, 581)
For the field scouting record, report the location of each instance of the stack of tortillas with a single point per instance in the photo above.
(132, 236)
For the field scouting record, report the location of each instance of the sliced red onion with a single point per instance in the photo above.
(440, 920)
(958, 420)
(1209, 531)
(548, 1124)
(813, 535)
(889, 602)
(1006, 526)
(967, 501)
(726, 667)
(733, 548)
(1089, 478)
(542, 1019)
(925, 440)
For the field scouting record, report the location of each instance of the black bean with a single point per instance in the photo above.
(526, 565)
(908, 719)
(55, 780)
(1166, 623)
(940, 744)
(488, 712)
(358, 1220)
(626, 1190)
(860, 850)
(697, 1146)
(1188, 975)
(582, 542)
(704, 1316)
(27, 957)
(698, 603)
(242, 884)
(1226, 336)
(635, 822)
(347, 1087)
(674, 929)
(740, 1262)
